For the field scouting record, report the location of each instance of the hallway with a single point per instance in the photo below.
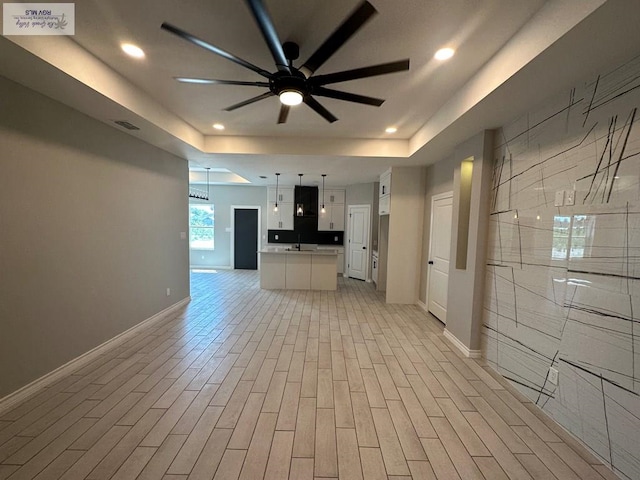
(248, 383)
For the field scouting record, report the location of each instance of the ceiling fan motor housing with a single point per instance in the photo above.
(283, 81)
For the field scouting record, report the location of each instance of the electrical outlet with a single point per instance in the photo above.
(168, 292)
(559, 200)
(553, 376)
(570, 197)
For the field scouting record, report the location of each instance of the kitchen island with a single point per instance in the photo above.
(293, 269)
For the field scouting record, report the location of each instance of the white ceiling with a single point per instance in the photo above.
(510, 53)
(412, 29)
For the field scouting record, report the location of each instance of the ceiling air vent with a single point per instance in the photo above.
(127, 125)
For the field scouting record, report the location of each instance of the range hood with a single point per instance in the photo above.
(308, 198)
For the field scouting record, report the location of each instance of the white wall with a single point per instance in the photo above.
(577, 313)
(223, 197)
(90, 222)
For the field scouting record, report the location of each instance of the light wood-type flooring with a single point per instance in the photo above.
(246, 383)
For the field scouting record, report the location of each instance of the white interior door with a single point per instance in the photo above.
(439, 254)
(358, 241)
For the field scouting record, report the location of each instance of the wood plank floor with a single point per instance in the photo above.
(246, 383)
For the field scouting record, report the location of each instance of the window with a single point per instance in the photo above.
(561, 228)
(201, 226)
(572, 236)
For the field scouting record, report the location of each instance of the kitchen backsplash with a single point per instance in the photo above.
(320, 238)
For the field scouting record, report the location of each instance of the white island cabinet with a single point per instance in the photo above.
(285, 268)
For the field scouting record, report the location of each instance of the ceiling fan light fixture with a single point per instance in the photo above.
(290, 97)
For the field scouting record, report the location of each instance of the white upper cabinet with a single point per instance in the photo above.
(334, 196)
(385, 183)
(282, 219)
(384, 204)
(333, 217)
(285, 195)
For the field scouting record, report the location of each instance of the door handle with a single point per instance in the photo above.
(430, 262)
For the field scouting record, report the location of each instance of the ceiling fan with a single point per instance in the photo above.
(294, 85)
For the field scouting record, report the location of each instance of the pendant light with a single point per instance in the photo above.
(300, 206)
(201, 196)
(323, 175)
(275, 209)
(208, 168)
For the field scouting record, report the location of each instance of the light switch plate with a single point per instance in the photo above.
(570, 197)
(183, 235)
(559, 201)
(553, 376)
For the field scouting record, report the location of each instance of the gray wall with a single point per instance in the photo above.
(90, 222)
(466, 283)
(572, 304)
(223, 197)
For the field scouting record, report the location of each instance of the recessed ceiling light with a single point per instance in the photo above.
(132, 50)
(444, 54)
(218, 126)
(391, 130)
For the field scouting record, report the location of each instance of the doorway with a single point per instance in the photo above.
(358, 250)
(245, 239)
(439, 255)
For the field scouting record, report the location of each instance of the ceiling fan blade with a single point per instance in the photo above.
(211, 81)
(339, 37)
(269, 33)
(372, 71)
(284, 113)
(349, 97)
(218, 51)
(319, 109)
(249, 102)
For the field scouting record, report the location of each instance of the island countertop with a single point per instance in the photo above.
(305, 269)
(295, 251)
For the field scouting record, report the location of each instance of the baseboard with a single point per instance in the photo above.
(461, 346)
(423, 306)
(512, 388)
(21, 394)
